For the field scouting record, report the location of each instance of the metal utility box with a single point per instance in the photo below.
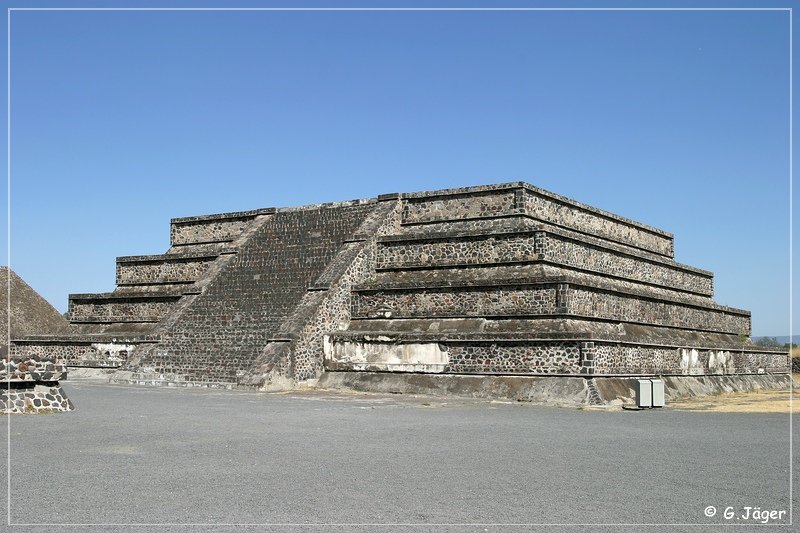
(644, 393)
(658, 393)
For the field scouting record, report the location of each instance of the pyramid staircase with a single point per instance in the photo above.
(235, 292)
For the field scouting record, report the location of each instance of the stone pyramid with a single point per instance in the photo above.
(505, 280)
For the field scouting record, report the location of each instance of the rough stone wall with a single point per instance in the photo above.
(515, 199)
(580, 255)
(629, 359)
(457, 207)
(33, 368)
(165, 269)
(77, 352)
(524, 358)
(221, 334)
(563, 214)
(490, 301)
(470, 284)
(207, 231)
(210, 229)
(540, 357)
(513, 248)
(466, 251)
(627, 308)
(30, 380)
(30, 398)
(601, 282)
(120, 310)
(509, 300)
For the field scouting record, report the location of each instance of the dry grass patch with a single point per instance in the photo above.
(763, 401)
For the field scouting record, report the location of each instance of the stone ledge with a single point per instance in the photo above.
(534, 262)
(388, 196)
(466, 191)
(114, 319)
(517, 337)
(89, 338)
(328, 205)
(570, 234)
(170, 258)
(150, 295)
(95, 364)
(545, 281)
(158, 379)
(224, 216)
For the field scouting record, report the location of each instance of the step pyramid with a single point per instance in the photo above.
(512, 279)
(499, 280)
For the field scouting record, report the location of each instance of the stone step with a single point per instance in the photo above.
(561, 327)
(514, 274)
(514, 199)
(103, 351)
(172, 379)
(125, 307)
(199, 370)
(134, 291)
(207, 229)
(545, 299)
(449, 250)
(202, 248)
(163, 268)
(504, 225)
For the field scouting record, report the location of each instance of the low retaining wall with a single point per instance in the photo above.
(547, 390)
(28, 397)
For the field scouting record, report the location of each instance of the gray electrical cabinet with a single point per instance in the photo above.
(658, 392)
(649, 393)
(644, 393)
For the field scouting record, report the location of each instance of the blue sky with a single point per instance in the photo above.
(123, 120)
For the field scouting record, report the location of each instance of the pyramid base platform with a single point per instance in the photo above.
(552, 390)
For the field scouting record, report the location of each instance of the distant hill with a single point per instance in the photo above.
(30, 313)
(782, 339)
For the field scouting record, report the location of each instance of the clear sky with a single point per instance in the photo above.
(123, 120)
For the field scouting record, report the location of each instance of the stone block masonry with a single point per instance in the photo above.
(158, 269)
(558, 247)
(515, 199)
(546, 299)
(212, 228)
(30, 382)
(510, 279)
(500, 280)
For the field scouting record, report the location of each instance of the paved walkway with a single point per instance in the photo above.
(131, 455)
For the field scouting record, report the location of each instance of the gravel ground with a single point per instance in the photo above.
(134, 458)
